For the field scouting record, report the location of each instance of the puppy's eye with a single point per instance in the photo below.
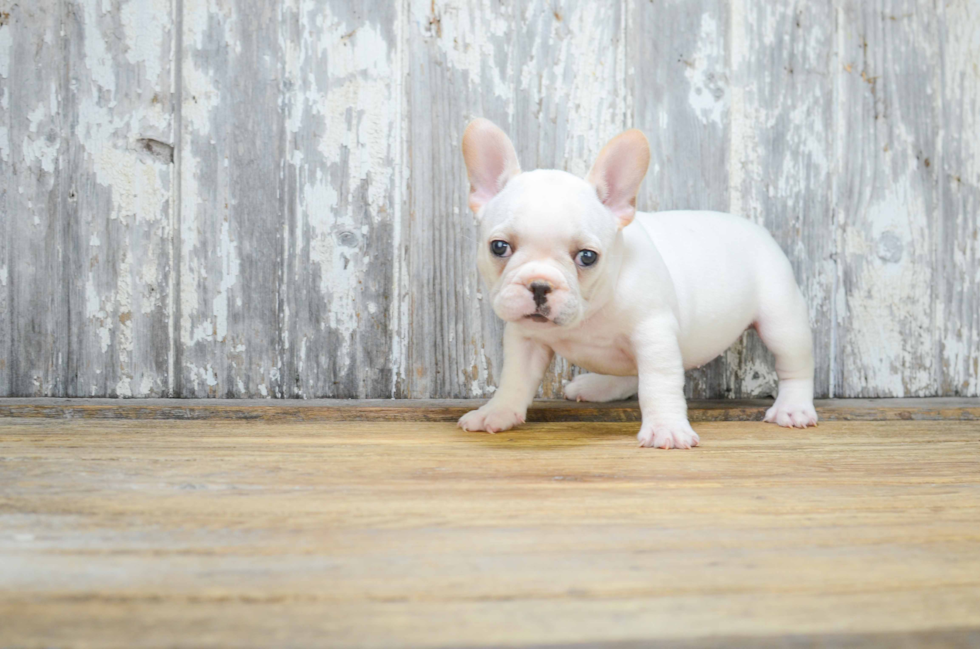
(500, 248)
(586, 257)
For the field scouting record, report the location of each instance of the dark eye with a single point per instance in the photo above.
(586, 257)
(500, 248)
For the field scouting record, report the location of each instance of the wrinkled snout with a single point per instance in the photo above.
(536, 293)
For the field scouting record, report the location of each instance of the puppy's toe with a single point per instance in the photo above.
(792, 415)
(668, 435)
(492, 419)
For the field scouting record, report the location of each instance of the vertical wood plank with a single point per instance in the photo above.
(120, 153)
(6, 188)
(782, 157)
(231, 211)
(957, 273)
(343, 105)
(888, 197)
(323, 244)
(461, 61)
(570, 95)
(681, 88)
(34, 271)
(679, 52)
(553, 76)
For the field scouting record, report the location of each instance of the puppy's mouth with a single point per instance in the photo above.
(537, 317)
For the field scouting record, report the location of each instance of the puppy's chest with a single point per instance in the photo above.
(600, 352)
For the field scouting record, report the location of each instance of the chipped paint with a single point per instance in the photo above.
(470, 35)
(41, 143)
(6, 44)
(98, 61)
(141, 20)
(321, 244)
(708, 93)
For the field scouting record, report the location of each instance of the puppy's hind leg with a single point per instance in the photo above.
(784, 326)
(601, 387)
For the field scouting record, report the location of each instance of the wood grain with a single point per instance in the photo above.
(231, 214)
(571, 96)
(681, 87)
(888, 201)
(37, 191)
(957, 291)
(119, 158)
(449, 410)
(6, 187)
(123, 533)
(344, 106)
(782, 139)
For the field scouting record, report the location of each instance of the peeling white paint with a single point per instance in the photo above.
(36, 116)
(201, 99)
(146, 25)
(559, 75)
(360, 94)
(6, 46)
(137, 184)
(4, 144)
(41, 150)
(469, 35)
(42, 140)
(99, 62)
(190, 271)
(97, 315)
(230, 265)
(707, 73)
(885, 316)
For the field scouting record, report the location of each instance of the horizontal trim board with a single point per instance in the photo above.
(940, 408)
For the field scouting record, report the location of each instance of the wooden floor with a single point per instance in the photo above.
(256, 533)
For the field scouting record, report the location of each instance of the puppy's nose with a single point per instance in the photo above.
(540, 290)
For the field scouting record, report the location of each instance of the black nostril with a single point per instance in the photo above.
(540, 290)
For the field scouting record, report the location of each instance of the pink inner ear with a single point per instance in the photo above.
(490, 161)
(618, 172)
(489, 175)
(616, 191)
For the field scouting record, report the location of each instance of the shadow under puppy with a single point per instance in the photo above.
(633, 298)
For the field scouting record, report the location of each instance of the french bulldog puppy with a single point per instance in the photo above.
(635, 299)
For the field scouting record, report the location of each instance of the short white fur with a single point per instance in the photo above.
(669, 291)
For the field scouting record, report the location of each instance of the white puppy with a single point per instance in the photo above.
(635, 298)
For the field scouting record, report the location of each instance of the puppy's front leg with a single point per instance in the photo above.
(525, 362)
(661, 373)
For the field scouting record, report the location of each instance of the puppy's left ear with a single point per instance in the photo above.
(618, 172)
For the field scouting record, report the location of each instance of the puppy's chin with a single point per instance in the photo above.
(539, 321)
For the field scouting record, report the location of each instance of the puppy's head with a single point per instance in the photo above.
(549, 240)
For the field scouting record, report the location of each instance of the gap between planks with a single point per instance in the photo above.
(927, 409)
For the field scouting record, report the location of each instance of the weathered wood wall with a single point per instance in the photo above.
(265, 197)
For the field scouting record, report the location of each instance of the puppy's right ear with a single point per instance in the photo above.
(491, 161)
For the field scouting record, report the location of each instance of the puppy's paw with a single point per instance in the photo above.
(792, 414)
(600, 387)
(492, 418)
(677, 434)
